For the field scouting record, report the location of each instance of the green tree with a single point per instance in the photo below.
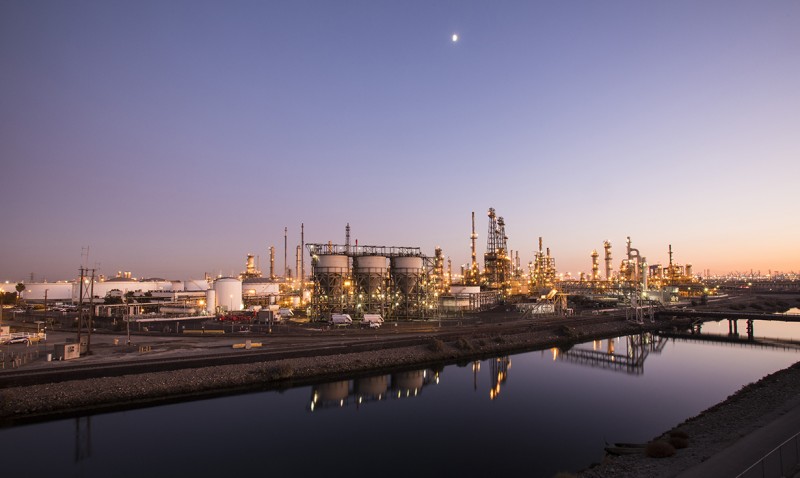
(20, 287)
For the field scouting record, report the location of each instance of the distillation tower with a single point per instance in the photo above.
(472, 276)
(543, 269)
(497, 264)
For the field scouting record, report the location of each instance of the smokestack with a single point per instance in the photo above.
(297, 261)
(607, 247)
(271, 262)
(285, 249)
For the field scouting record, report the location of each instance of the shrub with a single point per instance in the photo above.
(279, 372)
(659, 449)
(678, 433)
(464, 344)
(678, 442)
(436, 345)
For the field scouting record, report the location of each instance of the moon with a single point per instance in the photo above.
(455, 37)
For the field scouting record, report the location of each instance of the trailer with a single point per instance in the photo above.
(373, 321)
(341, 320)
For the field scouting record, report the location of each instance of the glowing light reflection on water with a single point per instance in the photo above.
(534, 414)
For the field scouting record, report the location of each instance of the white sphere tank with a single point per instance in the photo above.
(211, 301)
(229, 293)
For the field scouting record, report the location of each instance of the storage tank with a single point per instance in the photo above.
(259, 287)
(406, 273)
(330, 271)
(229, 293)
(195, 284)
(211, 301)
(370, 274)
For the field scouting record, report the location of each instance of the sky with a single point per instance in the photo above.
(174, 137)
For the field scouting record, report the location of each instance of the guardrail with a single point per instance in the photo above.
(784, 460)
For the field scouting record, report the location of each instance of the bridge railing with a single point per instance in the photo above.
(782, 461)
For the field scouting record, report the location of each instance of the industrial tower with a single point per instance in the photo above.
(471, 277)
(496, 263)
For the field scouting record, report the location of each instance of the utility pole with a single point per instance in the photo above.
(82, 318)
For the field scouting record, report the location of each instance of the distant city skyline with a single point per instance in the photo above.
(175, 138)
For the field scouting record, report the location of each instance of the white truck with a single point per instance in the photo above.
(341, 319)
(373, 321)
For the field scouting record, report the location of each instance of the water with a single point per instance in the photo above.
(531, 414)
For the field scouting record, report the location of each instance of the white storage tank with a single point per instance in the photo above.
(35, 291)
(211, 301)
(229, 293)
(195, 284)
(407, 273)
(260, 287)
(370, 273)
(330, 271)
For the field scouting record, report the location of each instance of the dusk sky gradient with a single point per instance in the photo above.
(175, 137)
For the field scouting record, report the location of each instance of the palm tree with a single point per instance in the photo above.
(20, 287)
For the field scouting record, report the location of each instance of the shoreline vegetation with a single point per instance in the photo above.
(695, 439)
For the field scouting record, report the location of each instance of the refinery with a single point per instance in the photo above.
(378, 282)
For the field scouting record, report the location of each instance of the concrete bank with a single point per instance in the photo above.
(726, 439)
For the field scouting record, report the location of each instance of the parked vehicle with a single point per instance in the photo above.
(341, 319)
(18, 340)
(373, 321)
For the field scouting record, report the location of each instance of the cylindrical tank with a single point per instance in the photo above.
(370, 273)
(688, 270)
(211, 301)
(229, 293)
(330, 271)
(195, 284)
(259, 287)
(406, 273)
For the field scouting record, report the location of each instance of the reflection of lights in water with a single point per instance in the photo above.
(476, 366)
(341, 403)
(555, 353)
(312, 406)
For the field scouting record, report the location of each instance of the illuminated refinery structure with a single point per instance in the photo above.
(497, 264)
(543, 270)
(395, 282)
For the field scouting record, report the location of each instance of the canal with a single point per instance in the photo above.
(532, 414)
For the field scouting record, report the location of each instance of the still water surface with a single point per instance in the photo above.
(531, 414)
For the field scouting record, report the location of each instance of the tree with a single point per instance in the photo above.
(20, 287)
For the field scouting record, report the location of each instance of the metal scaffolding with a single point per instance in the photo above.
(356, 280)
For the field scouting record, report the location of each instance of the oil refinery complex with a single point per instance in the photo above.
(392, 282)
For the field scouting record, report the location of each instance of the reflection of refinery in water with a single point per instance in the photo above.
(377, 388)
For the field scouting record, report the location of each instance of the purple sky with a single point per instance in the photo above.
(175, 137)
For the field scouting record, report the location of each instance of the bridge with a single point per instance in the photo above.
(749, 341)
(725, 315)
(638, 349)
